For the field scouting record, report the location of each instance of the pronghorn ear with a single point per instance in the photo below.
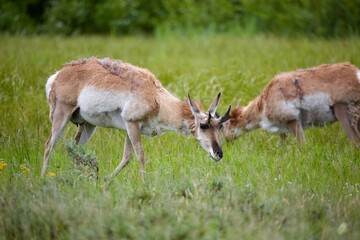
(213, 107)
(194, 108)
(226, 115)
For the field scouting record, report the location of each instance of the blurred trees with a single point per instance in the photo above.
(328, 18)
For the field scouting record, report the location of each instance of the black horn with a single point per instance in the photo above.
(213, 106)
(193, 106)
(226, 115)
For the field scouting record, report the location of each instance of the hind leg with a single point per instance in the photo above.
(84, 133)
(60, 117)
(342, 115)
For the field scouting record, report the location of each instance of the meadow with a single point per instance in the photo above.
(262, 189)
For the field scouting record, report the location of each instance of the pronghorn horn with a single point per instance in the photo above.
(226, 115)
(213, 107)
(209, 119)
(193, 106)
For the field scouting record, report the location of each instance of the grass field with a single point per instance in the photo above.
(262, 189)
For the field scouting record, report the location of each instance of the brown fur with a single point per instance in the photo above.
(120, 95)
(187, 114)
(353, 110)
(115, 76)
(339, 81)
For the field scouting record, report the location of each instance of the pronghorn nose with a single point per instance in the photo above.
(220, 154)
(217, 149)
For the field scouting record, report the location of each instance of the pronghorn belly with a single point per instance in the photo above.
(111, 119)
(316, 110)
(102, 107)
(133, 107)
(273, 126)
(317, 117)
(312, 110)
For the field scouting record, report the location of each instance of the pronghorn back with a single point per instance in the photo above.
(340, 81)
(314, 90)
(109, 93)
(104, 75)
(293, 101)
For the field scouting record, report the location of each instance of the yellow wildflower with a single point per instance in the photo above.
(51, 174)
(3, 165)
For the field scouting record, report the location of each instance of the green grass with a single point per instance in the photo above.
(262, 189)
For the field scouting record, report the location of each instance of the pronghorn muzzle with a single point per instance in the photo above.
(217, 151)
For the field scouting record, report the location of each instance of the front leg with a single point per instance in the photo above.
(134, 133)
(128, 149)
(296, 128)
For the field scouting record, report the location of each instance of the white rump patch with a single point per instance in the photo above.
(49, 83)
(358, 74)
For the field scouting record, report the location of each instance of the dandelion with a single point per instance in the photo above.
(3, 165)
(25, 169)
(51, 174)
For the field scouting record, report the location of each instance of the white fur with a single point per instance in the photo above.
(358, 74)
(95, 100)
(272, 127)
(49, 83)
(314, 109)
(102, 107)
(107, 108)
(237, 132)
(318, 109)
(316, 101)
(250, 126)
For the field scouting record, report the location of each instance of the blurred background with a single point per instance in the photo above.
(325, 18)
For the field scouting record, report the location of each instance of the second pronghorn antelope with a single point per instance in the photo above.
(110, 93)
(301, 99)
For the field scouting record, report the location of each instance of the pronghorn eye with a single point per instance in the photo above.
(204, 126)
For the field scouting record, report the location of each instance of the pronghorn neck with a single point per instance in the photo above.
(188, 120)
(175, 115)
(247, 118)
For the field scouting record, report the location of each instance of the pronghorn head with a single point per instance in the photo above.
(207, 127)
(236, 125)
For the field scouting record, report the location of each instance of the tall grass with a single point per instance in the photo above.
(262, 189)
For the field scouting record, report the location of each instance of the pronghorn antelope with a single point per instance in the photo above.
(297, 100)
(109, 93)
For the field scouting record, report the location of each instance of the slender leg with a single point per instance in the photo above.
(342, 116)
(295, 127)
(84, 133)
(134, 133)
(61, 116)
(78, 133)
(128, 149)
